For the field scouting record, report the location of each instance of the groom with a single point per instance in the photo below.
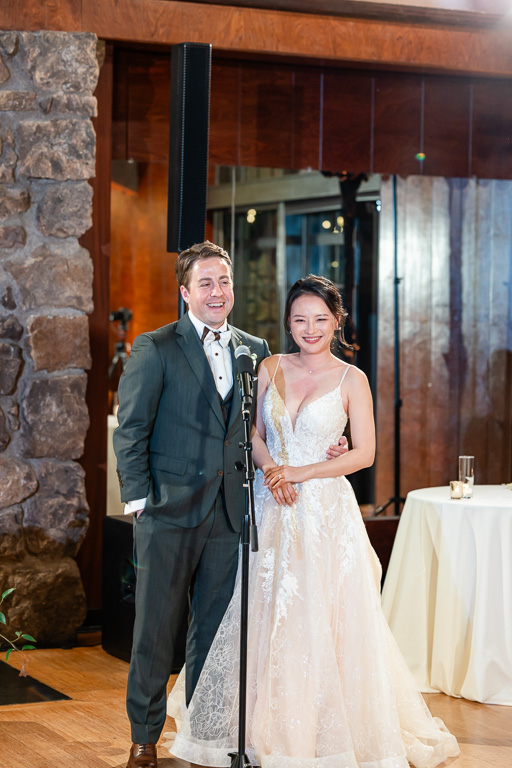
(176, 445)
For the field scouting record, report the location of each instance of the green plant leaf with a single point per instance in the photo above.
(29, 637)
(18, 634)
(28, 647)
(2, 618)
(7, 592)
(8, 653)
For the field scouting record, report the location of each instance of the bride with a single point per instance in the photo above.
(327, 686)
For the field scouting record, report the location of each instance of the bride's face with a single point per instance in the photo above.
(312, 324)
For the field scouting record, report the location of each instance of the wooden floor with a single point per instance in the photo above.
(91, 730)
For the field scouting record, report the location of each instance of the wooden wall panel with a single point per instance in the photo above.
(148, 115)
(266, 116)
(447, 126)
(397, 124)
(225, 102)
(415, 246)
(491, 156)
(441, 422)
(287, 116)
(384, 464)
(485, 396)
(455, 331)
(500, 329)
(347, 121)
(306, 118)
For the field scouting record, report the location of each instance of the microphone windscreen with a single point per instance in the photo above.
(244, 360)
(242, 350)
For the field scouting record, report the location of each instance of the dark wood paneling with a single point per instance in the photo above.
(225, 98)
(148, 113)
(120, 103)
(97, 241)
(347, 121)
(270, 116)
(447, 126)
(492, 129)
(266, 116)
(397, 124)
(306, 118)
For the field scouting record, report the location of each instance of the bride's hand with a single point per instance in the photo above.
(277, 477)
(285, 495)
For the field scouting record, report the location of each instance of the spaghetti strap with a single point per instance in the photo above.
(344, 373)
(277, 367)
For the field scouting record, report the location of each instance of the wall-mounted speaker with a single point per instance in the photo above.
(188, 144)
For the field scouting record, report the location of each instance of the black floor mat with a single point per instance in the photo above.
(24, 690)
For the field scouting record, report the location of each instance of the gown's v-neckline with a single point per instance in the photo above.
(293, 424)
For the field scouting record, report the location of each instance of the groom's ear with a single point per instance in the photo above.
(185, 294)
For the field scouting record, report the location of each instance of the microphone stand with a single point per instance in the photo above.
(249, 535)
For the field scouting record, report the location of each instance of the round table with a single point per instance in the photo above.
(448, 592)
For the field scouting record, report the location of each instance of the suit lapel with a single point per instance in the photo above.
(192, 349)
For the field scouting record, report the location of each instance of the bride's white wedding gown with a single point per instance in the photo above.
(327, 685)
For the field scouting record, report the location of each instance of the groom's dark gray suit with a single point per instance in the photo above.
(177, 445)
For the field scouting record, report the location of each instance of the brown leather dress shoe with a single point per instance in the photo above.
(142, 756)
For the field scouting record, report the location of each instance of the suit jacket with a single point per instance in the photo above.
(172, 444)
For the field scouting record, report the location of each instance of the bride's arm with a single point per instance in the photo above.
(362, 432)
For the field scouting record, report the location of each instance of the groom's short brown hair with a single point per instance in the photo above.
(199, 251)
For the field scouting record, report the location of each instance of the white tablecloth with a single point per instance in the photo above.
(448, 592)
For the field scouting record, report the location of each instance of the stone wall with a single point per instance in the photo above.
(47, 153)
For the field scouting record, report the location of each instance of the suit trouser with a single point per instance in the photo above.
(174, 564)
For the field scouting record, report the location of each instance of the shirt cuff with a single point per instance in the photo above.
(134, 506)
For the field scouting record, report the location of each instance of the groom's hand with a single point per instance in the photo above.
(334, 451)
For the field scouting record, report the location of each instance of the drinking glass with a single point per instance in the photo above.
(467, 475)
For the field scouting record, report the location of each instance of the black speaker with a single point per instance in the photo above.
(118, 610)
(188, 144)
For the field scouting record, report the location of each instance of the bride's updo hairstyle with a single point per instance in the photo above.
(316, 285)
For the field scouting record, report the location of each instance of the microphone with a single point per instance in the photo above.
(245, 376)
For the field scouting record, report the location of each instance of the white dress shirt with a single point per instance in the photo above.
(219, 358)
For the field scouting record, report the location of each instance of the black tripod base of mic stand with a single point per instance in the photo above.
(397, 501)
(238, 760)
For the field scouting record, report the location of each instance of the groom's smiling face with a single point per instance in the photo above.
(209, 293)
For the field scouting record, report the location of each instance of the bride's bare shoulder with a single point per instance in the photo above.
(354, 379)
(269, 366)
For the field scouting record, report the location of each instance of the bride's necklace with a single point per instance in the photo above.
(309, 370)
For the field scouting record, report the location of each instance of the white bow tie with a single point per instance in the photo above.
(223, 337)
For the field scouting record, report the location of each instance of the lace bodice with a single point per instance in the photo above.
(319, 424)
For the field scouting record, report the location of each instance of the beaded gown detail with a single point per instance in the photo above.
(327, 686)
